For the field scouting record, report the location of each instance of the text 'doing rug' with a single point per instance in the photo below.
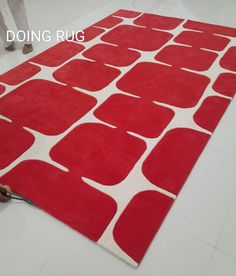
(103, 134)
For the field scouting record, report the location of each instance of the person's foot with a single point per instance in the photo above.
(10, 48)
(27, 49)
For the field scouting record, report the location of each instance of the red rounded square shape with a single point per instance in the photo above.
(165, 84)
(146, 209)
(145, 39)
(225, 84)
(45, 106)
(19, 73)
(83, 208)
(210, 112)
(2, 89)
(58, 54)
(92, 32)
(210, 28)
(173, 158)
(202, 40)
(110, 54)
(92, 76)
(228, 61)
(158, 21)
(99, 152)
(14, 142)
(109, 22)
(186, 57)
(126, 13)
(135, 114)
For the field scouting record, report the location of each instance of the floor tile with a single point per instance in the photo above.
(28, 238)
(222, 264)
(227, 239)
(186, 255)
(203, 203)
(224, 136)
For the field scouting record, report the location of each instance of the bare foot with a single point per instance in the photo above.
(27, 49)
(10, 48)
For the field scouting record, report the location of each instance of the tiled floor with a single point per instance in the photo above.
(199, 234)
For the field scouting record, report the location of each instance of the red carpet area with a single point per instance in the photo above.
(103, 134)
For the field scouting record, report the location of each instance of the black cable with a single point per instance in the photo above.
(11, 195)
(20, 198)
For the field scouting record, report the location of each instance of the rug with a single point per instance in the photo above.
(103, 134)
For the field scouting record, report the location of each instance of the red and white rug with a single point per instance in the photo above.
(103, 134)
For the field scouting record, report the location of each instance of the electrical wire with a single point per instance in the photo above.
(21, 199)
(11, 195)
